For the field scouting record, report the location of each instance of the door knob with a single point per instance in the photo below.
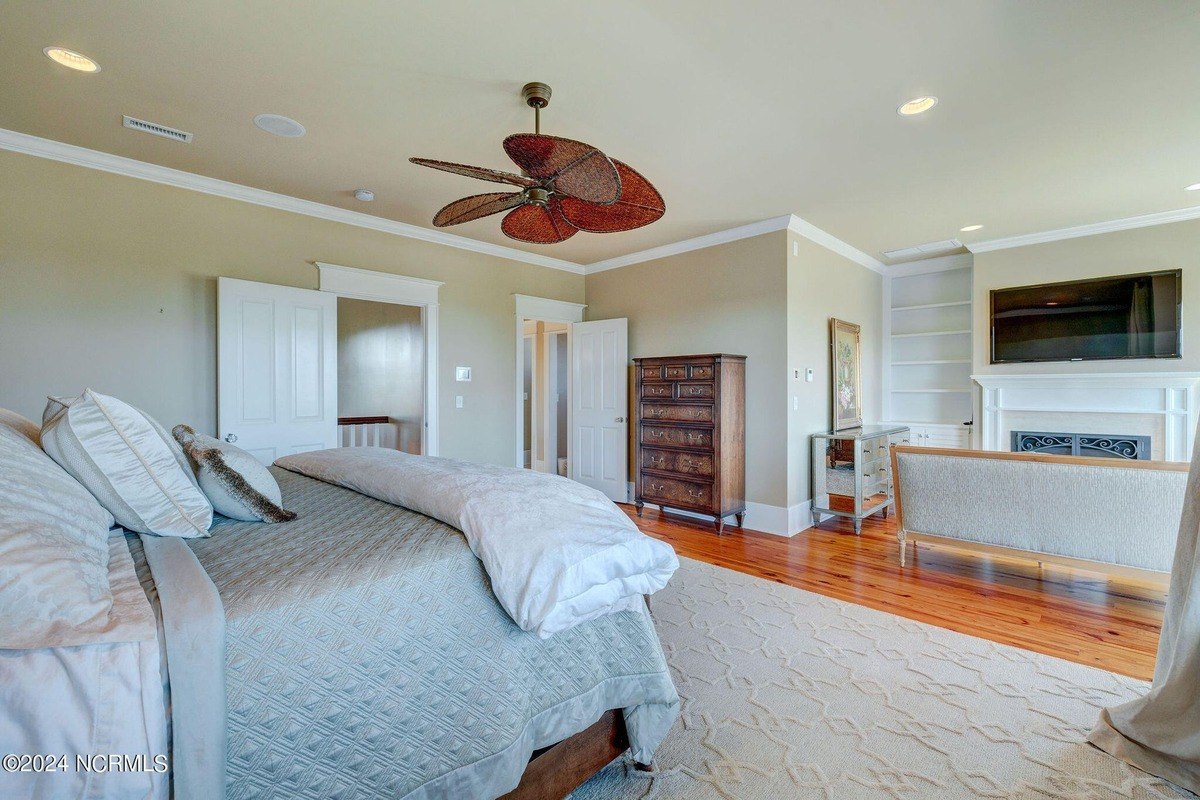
(231, 437)
(620, 419)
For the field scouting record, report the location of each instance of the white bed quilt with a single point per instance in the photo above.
(558, 553)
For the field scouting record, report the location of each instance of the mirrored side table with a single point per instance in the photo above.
(852, 472)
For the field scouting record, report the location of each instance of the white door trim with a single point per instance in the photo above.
(545, 310)
(385, 287)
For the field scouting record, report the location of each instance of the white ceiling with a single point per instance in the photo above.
(1052, 114)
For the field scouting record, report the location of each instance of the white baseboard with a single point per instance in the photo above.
(775, 520)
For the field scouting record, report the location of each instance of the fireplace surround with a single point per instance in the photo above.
(1159, 405)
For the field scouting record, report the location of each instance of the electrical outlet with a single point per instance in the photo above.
(808, 375)
(458, 400)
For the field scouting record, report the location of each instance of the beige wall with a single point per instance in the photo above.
(822, 284)
(381, 366)
(731, 298)
(110, 282)
(1173, 246)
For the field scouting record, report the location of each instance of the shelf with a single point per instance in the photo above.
(934, 361)
(929, 333)
(932, 305)
(931, 391)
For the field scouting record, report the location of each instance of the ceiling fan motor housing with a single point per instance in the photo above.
(538, 196)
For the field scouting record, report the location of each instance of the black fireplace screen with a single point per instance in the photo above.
(1081, 444)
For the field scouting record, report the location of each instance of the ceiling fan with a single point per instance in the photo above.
(565, 187)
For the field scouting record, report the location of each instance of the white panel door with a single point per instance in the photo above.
(276, 368)
(599, 398)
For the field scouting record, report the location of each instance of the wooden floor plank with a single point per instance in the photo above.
(1079, 616)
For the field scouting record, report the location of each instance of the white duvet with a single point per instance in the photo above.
(558, 553)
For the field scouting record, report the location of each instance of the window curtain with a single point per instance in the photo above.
(1160, 733)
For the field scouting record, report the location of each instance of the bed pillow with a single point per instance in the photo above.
(235, 482)
(53, 551)
(57, 405)
(128, 462)
(22, 425)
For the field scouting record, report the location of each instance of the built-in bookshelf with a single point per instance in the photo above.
(928, 348)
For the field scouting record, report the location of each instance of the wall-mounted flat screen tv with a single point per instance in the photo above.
(1125, 316)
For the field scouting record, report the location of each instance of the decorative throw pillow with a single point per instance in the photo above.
(236, 483)
(22, 425)
(54, 588)
(128, 462)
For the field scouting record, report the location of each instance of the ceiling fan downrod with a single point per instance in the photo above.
(537, 97)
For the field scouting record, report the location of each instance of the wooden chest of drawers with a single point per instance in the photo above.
(690, 448)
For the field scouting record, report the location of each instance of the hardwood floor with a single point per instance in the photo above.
(1078, 616)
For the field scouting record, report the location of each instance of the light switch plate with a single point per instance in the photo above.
(458, 400)
(462, 373)
(808, 375)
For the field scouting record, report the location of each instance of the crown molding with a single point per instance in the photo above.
(1129, 223)
(687, 245)
(788, 222)
(830, 242)
(119, 165)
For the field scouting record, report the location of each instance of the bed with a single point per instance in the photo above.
(359, 651)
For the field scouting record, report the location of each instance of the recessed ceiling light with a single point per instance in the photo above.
(69, 58)
(918, 105)
(970, 228)
(365, 195)
(1192, 188)
(279, 125)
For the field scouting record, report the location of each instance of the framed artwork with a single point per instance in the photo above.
(845, 347)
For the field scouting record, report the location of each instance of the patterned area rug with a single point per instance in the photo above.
(788, 694)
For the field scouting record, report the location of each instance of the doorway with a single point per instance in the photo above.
(380, 375)
(584, 372)
(545, 371)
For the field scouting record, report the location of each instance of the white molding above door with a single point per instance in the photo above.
(368, 284)
(386, 287)
(544, 308)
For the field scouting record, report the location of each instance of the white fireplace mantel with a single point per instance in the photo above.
(1162, 404)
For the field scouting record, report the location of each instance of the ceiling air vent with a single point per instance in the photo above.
(927, 250)
(156, 129)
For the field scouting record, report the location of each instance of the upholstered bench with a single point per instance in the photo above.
(1103, 514)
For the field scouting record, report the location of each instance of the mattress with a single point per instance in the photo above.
(365, 656)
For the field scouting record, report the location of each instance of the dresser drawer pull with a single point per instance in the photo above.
(696, 493)
(695, 390)
(658, 434)
(659, 461)
(657, 487)
(695, 437)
